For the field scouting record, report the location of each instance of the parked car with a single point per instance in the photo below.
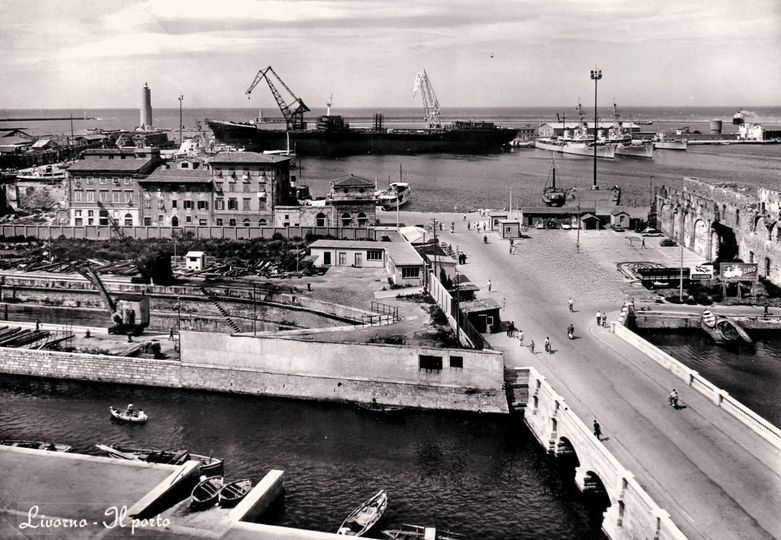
(666, 242)
(650, 232)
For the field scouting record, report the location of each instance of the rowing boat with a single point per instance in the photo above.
(206, 492)
(233, 492)
(365, 516)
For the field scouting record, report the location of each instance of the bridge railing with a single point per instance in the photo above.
(693, 379)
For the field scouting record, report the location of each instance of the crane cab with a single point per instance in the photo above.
(131, 315)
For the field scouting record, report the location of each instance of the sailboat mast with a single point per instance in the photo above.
(553, 185)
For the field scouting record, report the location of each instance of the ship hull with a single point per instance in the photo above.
(607, 151)
(357, 141)
(635, 150)
(671, 145)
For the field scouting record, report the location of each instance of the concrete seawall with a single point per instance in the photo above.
(448, 379)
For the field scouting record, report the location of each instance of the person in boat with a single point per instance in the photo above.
(131, 410)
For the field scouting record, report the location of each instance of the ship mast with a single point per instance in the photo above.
(430, 101)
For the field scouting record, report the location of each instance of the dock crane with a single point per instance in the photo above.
(293, 111)
(430, 101)
(130, 312)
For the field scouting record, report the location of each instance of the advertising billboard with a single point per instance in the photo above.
(701, 272)
(733, 271)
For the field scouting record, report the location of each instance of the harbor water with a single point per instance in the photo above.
(481, 475)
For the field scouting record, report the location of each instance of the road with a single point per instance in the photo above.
(715, 477)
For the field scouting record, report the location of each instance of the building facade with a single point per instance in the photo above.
(103, 186)
(353, 201)
(177, 194)
(248, 186)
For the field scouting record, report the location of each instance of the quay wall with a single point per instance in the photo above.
(675, 321)
(693, 379)
(391, 374)
(632, 512)
(297, 369)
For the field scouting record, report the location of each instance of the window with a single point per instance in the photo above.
(128, 196)
(127, 181)
(374, 255)
(78, 222)
(231, 187)
(148, 204)
(188, 205)
(262, 222)
(362, 220)
(219, 222)
(457, 362)
(147, 221)
(219, 204)
(128, 220)
(102, 180)
(90, 195)
(90, 213)
(218, 186)
(174, 221)
(409, 272)
(90, 221)
(116, 196)
(203, 205)
(233, 204)
(104, 196)
(231, 222)
(246, 222)
(188, 219)
(202, 222)
(77, 213)
(342, 258)
(346, 220)
(245, 204)
(429, 363)
(320, 220)
(160, 218)
(174, 203)
(77, 196)
(89, 181)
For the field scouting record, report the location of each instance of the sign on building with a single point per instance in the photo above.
(702, 272)
(733, 271)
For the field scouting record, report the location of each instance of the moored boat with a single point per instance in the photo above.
(722, 329)
(576, 148)
(365, 516)
(635, 148)
(207, 491)
(552, 195)
(663, 143)
(210, 466)
(43, 173)
(413, 532)
(132, 417)
(379, 408)
(233, 492)
(396, 196)
(36, 445)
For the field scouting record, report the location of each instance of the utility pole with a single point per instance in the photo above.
(254, 313)
(683, 237)
(596, 75)
(181, 97)
(577, 241)
(434, 220)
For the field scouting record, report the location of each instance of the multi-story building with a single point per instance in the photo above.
(248, 186)
(103, 185)
(177, 194)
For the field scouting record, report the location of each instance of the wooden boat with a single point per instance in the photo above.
(36, 445)
(413, 532)
(365, 516)
(210, 466)
(206, 492)
(136, 417)
(233, 492)
(722, 329)
(551, 195)
(380, 408)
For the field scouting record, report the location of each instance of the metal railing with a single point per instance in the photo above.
(385, 309)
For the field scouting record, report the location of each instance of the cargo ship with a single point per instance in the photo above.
(333, 136)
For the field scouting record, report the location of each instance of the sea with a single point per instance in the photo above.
(480, 475)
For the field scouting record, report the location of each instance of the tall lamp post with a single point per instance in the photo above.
(181, 97)
(596, 74)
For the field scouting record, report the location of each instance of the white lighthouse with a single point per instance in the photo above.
(146, 108)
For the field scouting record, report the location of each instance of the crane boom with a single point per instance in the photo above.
(430, 101)
(293, 111)
(90, 275)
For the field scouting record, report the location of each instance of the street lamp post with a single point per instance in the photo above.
(596, 74)
(181, 97)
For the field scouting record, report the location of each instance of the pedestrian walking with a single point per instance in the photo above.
(171, 334)
(37, 325)
(643, 243)
(766, 311)
(511, 329)
(599, 318)
(547, 345)
(571, 304)
(531, 346)
(597, 430)
(520, 337)
(488, 285)
(468, 225)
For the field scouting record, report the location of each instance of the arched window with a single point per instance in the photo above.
(262, 222)
(246, 222)
(362, 220)
(320, 220)
(346, 220)
(174, 221)
(128, 220)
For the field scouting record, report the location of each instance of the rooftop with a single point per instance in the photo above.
(95, 164)
(178, 176)
(480, 304)
(402, 253)
(352, 180)
(247, 157)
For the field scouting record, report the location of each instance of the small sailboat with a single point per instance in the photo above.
(552, 195)
(365, 516)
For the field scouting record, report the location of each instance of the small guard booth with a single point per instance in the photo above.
(484, 314)
(510, 228)
(195, 260)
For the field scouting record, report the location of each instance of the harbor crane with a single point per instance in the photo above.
(129, 312)
(293, 110)
(430, 101)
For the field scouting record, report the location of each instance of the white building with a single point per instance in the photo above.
(400, 260)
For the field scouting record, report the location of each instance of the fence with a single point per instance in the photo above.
(106, 232)
(455, 316)
(385, 309)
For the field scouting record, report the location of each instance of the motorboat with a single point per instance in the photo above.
(413, 532)
(36, 445)
(552, 195)
(396, 196)
(210, 466)
(365, 516)
(206, 493)
(132, 417)
(233, 492)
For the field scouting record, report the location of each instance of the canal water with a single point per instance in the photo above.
(481, 475)
(751, 374)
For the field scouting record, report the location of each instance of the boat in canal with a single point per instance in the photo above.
(205, 494)
(365, 516)
(413, 532)
(36, 445)
(131, 417)
(210, 466)
(380, 408)
(552, 195)
(233, 492)
(723, 330)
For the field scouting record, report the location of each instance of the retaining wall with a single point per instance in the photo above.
(692, 378)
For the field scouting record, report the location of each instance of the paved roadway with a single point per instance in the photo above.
(715, 476)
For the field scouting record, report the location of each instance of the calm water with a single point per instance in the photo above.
(751, 374)
(482, 475)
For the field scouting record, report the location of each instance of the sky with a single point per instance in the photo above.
(98, 54)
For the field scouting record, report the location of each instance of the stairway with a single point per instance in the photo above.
(223, 312)
(517, 390)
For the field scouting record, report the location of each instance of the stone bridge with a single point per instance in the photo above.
(723, 222)
(631, 512)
